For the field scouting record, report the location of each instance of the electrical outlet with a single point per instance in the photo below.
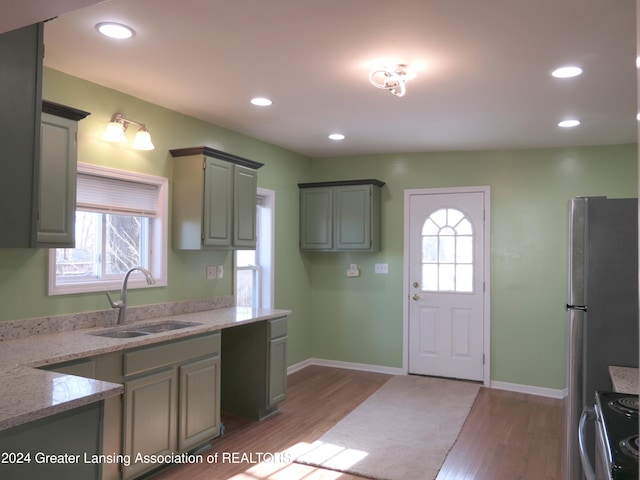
(220, 271)
(381, 268)
(212, 272)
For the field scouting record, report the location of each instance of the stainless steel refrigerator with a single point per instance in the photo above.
(602, 307)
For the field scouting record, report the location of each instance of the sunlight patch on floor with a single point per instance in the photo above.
(329, 455)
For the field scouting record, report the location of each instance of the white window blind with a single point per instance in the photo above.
(116, 196)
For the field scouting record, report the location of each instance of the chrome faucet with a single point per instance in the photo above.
(121, 304)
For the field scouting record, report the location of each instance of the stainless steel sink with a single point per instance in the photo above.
(120, 334)
(129, 331)
(165, 326)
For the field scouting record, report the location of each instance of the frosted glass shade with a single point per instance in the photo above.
(114, 133)
(142, 141)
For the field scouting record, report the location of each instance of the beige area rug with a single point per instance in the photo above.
(403, 431)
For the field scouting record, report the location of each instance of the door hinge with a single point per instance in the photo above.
(204, 164)
(483, 359)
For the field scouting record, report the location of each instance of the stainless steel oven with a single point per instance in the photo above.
(616, 449)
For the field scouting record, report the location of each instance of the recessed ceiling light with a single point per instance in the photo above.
(261, 101)
(336, 136)
(569, 123)
(567, 72)
(115, 30)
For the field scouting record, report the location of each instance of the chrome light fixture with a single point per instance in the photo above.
(118, 125)
(393, 78)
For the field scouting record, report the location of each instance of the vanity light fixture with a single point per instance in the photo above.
(392, 78)
(118, 125)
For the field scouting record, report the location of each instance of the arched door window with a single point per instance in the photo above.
(447, 252)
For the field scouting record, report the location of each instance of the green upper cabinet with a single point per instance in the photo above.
(214, 200)
(58, 166)
(340, 216)
(21, 52)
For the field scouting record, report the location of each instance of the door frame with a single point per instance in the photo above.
(486, 272)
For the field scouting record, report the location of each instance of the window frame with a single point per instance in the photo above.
(263, 272)
(439, 262)
(158, 239)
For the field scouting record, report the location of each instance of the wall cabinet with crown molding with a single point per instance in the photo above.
(342, 216)
(214, 200)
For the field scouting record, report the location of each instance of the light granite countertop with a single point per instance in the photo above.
(29, 393)
(624, 379)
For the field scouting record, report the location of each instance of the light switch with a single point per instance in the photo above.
(212, 272)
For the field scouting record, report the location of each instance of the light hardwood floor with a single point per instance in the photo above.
(507, 436)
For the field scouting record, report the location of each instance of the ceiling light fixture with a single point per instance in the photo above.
(393, 78)
(569, 123)
(261, 101)
(567, 72)
(115, 30)
(118, 125)
(336, 136)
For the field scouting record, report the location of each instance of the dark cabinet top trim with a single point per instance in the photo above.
(212, 152)
(340, 183)
(63, 111)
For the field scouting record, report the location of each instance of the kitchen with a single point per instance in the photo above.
(530, 189)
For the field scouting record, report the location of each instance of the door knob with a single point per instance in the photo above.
(415, 296)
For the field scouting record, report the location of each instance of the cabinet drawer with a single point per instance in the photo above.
(278, 328)
(150, 358)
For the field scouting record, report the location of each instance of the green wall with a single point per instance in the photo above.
(23, 273)
(360, 319)
(356, 319)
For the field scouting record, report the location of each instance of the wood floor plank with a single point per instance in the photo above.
(507, 436)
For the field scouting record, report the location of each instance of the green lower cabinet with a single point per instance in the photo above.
(277, 370)
(64, 446)
(199, 418)
(150, 405)
(171, 400)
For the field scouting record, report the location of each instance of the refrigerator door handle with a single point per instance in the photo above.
(582, 308)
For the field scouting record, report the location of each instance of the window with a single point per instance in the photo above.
(447, 252)
(121, 222)
(254, 268)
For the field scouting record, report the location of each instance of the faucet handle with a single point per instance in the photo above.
(116, 304)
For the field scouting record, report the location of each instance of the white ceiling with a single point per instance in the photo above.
(486, 82)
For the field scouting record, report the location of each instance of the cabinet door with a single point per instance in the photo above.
(316, 218)
(21, 51)
(277, 371)
(218, 203)
(353, 217)
(245, 189)
(199, 419)
(56, 222)
(150, 418)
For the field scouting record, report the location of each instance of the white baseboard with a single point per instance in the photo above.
(530, 389)
(512, 387)
(348, 365)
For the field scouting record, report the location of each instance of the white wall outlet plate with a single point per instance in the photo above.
(220, 271)
(381, 268)
(212, 272)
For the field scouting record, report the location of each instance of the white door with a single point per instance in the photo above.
(446, 272)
